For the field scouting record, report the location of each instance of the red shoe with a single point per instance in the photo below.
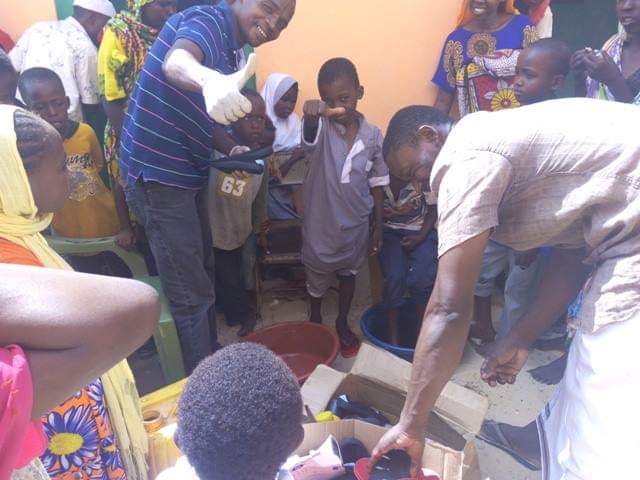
(349, 347)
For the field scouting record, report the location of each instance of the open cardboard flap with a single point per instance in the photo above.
(448, 463)
(381, 380)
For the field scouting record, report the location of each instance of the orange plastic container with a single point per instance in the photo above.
(302, 345)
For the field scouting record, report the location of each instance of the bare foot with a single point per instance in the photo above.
(552, 373)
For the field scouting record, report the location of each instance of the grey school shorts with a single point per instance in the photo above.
(318, 283)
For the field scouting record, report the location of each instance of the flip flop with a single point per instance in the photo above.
(350, 349)
(491, 433)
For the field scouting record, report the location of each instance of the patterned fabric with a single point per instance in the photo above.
(167, 133)
(595, 89)
(123, 51)
(81, 440)
(66, 48)
(407, 211)
(463, 45)
(486, 84)
(562, 173)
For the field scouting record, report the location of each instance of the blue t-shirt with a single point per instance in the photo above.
(167, 133)
(462, 45)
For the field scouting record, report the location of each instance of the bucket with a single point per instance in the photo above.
(375, 329)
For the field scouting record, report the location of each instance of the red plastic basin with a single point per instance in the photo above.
(302, 345)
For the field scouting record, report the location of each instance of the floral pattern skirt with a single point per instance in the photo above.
(82, 444)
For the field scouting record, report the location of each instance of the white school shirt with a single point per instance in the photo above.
(66, 48)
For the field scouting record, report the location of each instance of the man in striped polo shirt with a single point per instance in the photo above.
(190, 84)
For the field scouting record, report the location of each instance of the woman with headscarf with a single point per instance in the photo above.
(280, 93)
(479, 57)
(97, 433)
(128, 36)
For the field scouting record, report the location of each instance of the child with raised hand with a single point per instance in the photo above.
(90, 209)
(342, 189)
(237, 208)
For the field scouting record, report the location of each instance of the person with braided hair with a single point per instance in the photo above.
(128, 36)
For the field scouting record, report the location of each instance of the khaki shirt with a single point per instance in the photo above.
(562, 173)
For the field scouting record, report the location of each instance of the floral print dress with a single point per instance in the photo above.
(82, 444)
(480, 66)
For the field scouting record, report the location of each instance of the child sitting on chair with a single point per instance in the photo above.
(237, 208)
(342, 189)
(90, 210)
(409, 256)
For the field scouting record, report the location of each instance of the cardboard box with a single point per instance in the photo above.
(381, 380)
(448, 463)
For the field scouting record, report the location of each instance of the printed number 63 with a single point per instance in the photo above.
(233, 186)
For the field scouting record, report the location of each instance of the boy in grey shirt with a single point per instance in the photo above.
(343, 187)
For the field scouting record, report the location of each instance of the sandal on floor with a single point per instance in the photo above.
(491, 433)
(350, 347)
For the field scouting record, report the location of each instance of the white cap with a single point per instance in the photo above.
(104, 7)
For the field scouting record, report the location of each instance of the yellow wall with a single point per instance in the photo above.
(17, 15)
(394, 43)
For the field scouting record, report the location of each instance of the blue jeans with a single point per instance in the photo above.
(404, 270)
(177, 227)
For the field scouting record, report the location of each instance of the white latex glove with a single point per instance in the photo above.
(222, 97)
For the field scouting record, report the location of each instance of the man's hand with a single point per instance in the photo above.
(375, 243)
(222, 97)
(126, 238)
(398, 439)
(503, 361)
(410, 242)
(314, 109)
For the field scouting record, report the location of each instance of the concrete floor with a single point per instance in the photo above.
(517, 404)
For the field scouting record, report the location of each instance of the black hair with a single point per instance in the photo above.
(240, 414)
(338, 68)
(404, 125)
(32, 135)
(251, 93)
(5, 64)
(35, 76)
(559, 52)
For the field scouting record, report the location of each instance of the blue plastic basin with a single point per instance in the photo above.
(374, 327)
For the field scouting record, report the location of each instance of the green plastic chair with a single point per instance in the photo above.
(166, 335)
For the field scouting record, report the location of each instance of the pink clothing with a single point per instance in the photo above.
(21, 439)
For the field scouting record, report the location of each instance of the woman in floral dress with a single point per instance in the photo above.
(478, 59)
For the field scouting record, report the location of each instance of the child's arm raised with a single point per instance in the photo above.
(313, 110)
